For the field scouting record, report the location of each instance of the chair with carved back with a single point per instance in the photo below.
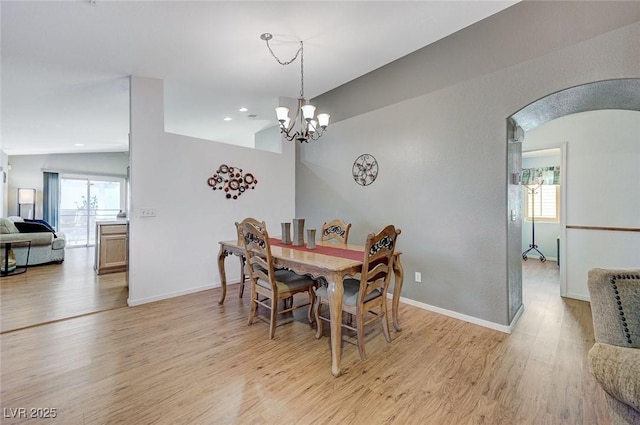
(335, 230)
(274, 285)
(243, 268)
(365, 298)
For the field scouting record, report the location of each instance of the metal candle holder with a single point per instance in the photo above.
(298, 232)
(311, 238)
(286, 233)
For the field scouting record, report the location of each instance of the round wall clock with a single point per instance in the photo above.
(365, 169)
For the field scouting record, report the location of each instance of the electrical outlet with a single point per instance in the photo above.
(148, 212)
(418, 277)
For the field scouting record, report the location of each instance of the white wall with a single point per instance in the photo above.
(176, 252)
(603, 189)
(26, 171)
(436, 121)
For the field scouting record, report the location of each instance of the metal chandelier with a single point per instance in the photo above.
(304, 126)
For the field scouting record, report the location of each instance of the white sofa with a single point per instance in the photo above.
(46, 246)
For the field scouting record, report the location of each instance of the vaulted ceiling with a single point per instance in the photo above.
(65, 64)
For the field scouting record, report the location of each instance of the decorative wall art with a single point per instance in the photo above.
(365, 169)
(231, 181)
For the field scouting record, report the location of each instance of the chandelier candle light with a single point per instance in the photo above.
(310, 127)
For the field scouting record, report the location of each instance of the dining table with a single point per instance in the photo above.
(327, 260)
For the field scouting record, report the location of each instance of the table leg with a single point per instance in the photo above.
(397, 288)
(335, 293)
(26, 265)
(223, 276)
(7, 248)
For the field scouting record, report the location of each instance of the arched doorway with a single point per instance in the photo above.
(620, 94)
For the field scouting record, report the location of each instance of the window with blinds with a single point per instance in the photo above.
(542, 203)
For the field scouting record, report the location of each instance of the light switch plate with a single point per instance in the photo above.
(148, 212)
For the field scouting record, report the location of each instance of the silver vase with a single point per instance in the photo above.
(311, 238)
(286, 233)
(298, 232)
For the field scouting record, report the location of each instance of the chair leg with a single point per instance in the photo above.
(348, 318)
(316, 310)
(272, 322)
(287, 302)
(385, 321)
(312, 300)
(360, 330)
(254, 305)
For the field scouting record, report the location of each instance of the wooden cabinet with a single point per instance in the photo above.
(111, 247)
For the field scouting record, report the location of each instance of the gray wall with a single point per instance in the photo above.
(436, 122)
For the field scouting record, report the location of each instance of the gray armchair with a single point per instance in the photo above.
(614, 360)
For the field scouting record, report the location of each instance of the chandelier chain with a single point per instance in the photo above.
(303, 127)
(301, 69)
(289, 62)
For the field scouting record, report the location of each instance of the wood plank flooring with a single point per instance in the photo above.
(188, 360)
(51, 292)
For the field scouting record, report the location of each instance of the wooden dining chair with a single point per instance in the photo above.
(274, 285)
(243, 268)
(365, 299)
(335, 230)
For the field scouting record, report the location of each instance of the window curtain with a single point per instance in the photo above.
(542, 175)
(51, 198)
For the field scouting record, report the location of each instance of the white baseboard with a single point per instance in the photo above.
(132, 302)
(470, 319)
(580, 297)
(537, 258)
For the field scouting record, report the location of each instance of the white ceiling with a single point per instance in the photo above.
(65, 64)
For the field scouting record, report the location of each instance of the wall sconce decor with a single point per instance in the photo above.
(27, 201)
(232, 181)
(365, 169)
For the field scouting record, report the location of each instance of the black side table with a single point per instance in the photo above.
(7, 248)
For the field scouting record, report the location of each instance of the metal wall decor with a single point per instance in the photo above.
(232, 181)
(365, 169)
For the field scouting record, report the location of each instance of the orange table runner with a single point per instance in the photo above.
(325, 250)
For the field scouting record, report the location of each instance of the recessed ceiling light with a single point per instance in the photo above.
(228, 119)
(243, 109)
(78, 144)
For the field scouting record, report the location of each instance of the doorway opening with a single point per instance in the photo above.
(619, 94)
(541, 189)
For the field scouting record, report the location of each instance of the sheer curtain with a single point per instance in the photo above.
(51, 198)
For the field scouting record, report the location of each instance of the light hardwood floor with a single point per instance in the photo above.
(188, 360)
(51, 292)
